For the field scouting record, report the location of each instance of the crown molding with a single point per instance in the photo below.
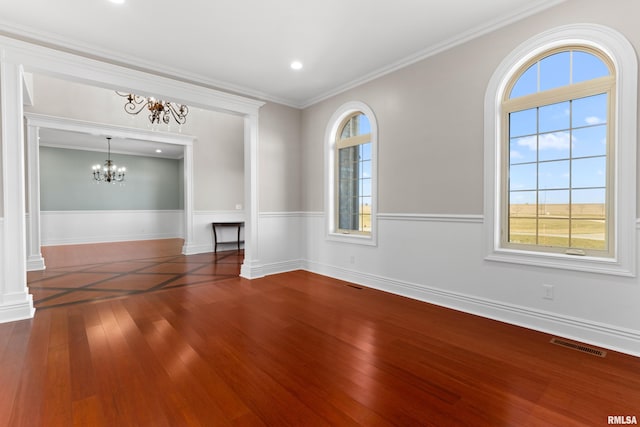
(433, 50)
(37, 56)
(57, 42)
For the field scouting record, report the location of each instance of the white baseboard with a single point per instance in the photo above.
(35, 263)
(282, 267)
(253, 270)
(10, 312)
(109, 239)
(607, 336)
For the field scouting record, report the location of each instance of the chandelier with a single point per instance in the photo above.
(109, 172)
(159, 110)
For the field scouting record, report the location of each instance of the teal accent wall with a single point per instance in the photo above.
(66, 182)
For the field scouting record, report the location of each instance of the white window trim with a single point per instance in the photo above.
(623, 56)
(329, 169)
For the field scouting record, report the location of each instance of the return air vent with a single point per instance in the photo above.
(579, 347)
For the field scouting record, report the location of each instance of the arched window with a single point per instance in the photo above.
(559, 193)
(353, 183)
(560, 152)
(351, 174)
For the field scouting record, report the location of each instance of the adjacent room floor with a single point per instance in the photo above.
(83, 273)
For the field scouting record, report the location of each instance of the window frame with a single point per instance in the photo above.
(567, 93)
(335, 125)
(621, 57)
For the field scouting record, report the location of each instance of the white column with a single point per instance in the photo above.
(15, 301)
(35, 261)
(188, 246)
(251, 267)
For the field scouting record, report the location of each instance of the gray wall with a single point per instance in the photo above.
(430, 116)
(66, 182)
(279, 170)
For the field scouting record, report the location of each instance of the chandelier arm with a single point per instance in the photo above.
(134, 103)
(180, 115)
(132, 97)
(132, 108)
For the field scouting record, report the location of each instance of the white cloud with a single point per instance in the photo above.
(593, 120)
(514, 154)
(554, 141)
(528, 141)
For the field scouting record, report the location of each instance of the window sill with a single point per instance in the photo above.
(358, 239)
(587, 264)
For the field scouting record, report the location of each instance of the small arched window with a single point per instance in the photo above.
(351, 174)
(558, 109)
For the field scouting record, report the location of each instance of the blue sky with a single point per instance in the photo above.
(559, 148)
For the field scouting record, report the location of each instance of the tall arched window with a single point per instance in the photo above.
(353, 183)
(559, 193)
(560, 152)
(351, 174)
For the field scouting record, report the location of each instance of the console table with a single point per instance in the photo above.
(237, 225)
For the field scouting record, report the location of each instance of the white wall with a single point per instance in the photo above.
(78, 227)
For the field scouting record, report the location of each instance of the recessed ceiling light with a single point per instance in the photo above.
(296, 65)
(117, 1)
(158, 151)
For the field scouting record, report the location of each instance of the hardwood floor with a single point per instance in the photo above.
(293, 349)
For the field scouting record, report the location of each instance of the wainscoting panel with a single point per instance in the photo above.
(76, 227)
(280, 241)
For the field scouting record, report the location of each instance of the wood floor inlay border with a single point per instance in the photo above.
(79, 284)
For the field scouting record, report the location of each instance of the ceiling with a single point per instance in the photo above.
(79, 140)
(246, 46)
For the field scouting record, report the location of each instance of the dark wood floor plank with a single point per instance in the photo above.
(15, 336)
(200, 374)
(88, 412)
(133, 400)
(57, 388)
(29, 403)
(188, 390)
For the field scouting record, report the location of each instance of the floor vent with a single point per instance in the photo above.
(354, 286)
(579, 347)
